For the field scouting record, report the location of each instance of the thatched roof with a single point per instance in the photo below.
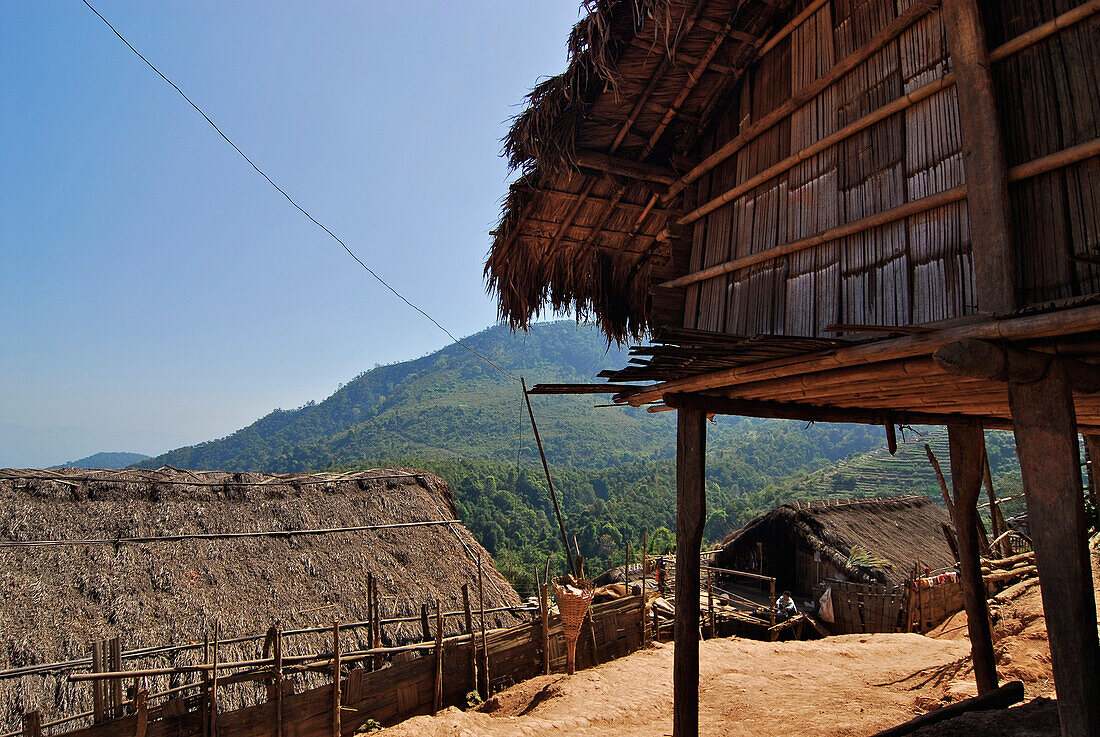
(900, 529)
(58, 598)
(577, 232)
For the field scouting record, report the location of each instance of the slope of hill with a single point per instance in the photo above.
(452, 405)
(116, 459)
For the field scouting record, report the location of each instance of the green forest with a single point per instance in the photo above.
(452, 413)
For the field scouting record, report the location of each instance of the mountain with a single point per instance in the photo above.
(453, 413)
(452, 405)
(106, 460)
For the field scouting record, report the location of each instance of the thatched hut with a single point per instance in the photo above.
(874, 211)
(802, 544)
(58, 598)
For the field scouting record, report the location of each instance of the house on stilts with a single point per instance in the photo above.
(873, 211)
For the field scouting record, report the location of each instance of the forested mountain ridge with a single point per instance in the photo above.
(450, 404)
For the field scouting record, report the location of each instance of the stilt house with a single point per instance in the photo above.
(875, 211)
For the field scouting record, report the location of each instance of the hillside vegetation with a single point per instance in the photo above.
(106, 460)
(452, 413)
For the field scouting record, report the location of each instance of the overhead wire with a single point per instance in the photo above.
(292, 201)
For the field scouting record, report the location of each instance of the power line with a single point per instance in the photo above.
(217, 535)
(290, 199)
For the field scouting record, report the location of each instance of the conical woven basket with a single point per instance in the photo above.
(573, 608)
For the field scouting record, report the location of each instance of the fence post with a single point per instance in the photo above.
(32, 724)
(470, 632)
(437, 702)
(336, 695)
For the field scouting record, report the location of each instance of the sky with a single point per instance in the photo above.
(154, 290)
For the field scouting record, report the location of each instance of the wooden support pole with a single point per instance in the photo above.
(99, 688)
(214, 683)
(645, 575)
(967, 443)
(549, 480)
(424, 627)
(278, 681)
(484, 641)
(544, 614)
(983, 159)
(710, 603)
(470, 631)
(114, 663)
(437, 702)
(1047, 445)
(942, 481)
(337, 701)
(690, 518)
(141, 710)
(370, 613)
(996, 519)
(377, 639)
(32, 724)
(205, 685)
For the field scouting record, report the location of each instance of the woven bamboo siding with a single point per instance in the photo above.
(1049, 98)
(919, 268)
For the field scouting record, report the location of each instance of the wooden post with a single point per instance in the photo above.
(1046, 442)
(470, 631)
(141, 709)
(983, 159)
(214, 683)
(484, 641)
(626, 568)
(690, 517)
(114, 686)
(771, 601)
(205, 676)
(424, 623)
(32, 724)
(943, 483)
(278, 681)
(99, 688)
(549, 481)
(967, 444)
(337, 701)
(370, 616)
(645, 575)
(996, 519)
(710, 602)
(437, 702)
(544, 607)
(377, 640)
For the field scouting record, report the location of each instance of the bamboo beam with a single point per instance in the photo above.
(1062, 322)
(983, 159)
(690, 518)
(621, 167)
(788, 29)
(967, 443)
(891, 108)
(1037, 34)
(984, 359)
(1047, 445)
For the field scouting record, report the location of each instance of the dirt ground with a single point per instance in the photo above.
(850, 685)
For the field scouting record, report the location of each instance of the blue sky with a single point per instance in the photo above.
(155, 291)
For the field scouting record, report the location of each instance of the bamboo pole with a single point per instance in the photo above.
(1062, 322)
(337, 700)
(278, 682)
(437, 701)
(484, 642)
(214, 683)
(470, 632)
(549, 481)
(947, 501)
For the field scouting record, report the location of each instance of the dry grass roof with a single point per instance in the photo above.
(57, 599)
(643, 78)
(900, 529)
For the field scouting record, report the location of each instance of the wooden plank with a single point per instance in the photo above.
(690, 518)
(1047, 445)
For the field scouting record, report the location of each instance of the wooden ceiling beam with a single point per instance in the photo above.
(983, 359)
(628, 168)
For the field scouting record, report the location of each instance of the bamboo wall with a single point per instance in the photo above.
(396, 692)
(916, 268)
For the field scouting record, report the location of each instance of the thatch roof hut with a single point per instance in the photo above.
(58, 598)
(804, 543)
(873, 211)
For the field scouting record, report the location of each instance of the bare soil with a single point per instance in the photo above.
(839, 686)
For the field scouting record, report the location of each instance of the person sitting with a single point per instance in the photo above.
(785, 606)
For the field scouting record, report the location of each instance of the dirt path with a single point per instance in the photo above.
(830, 687)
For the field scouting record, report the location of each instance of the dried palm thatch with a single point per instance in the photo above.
(866, 540)
(58, 599)
(575, 237)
